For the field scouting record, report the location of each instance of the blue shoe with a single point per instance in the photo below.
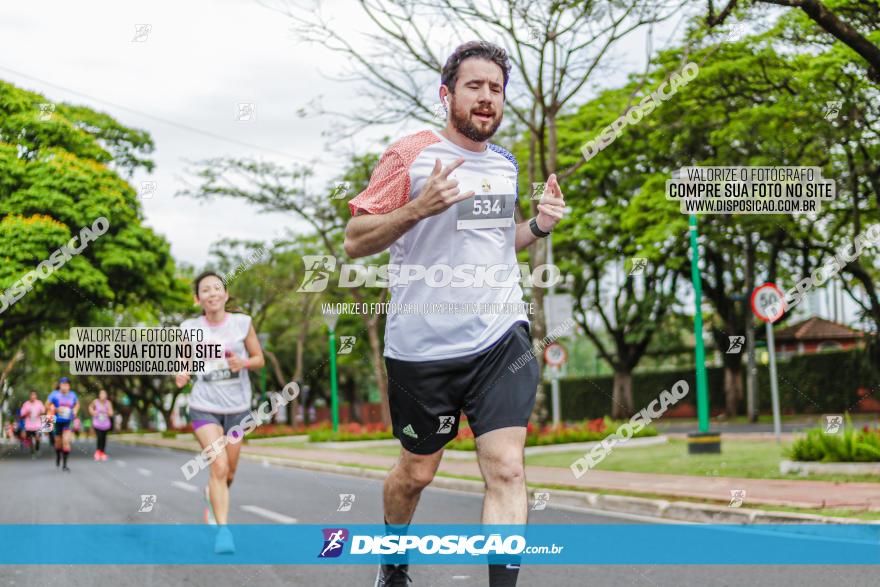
(223, 543)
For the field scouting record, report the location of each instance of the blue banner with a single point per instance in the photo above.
(592, 544)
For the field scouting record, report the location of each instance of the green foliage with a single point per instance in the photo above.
(851, 446)
(344, 435)
(759, 101)
(826, 382)
(58, 174)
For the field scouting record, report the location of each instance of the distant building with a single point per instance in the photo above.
(814, 335)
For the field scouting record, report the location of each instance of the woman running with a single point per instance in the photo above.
(31, 411)
(221, 395)
(102, 413)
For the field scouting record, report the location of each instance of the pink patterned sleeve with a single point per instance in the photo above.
(389, 187)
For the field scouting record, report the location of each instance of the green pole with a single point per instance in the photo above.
(702, 380)
(334, 401)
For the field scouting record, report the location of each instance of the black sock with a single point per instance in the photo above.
(57, 456)
(503, 575)
(65, 453)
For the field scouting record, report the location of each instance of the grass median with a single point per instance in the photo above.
(752, 459)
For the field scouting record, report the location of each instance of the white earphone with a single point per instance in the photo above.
(446, 101)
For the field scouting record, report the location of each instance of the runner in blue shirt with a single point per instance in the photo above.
(65, 405)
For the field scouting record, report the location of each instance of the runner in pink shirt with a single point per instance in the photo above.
(102, 413)
(31, 411)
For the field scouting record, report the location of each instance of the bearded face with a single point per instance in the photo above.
(476, 108)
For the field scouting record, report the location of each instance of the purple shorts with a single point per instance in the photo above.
(225, 421)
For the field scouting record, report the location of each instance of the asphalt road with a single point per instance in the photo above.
(34, 492)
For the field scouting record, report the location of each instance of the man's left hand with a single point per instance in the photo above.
(551, 208)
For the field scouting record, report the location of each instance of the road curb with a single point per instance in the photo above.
(807, 468)
(681, 511)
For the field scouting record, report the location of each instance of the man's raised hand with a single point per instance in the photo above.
(440, 192)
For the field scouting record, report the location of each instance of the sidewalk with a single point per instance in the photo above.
(778, 492)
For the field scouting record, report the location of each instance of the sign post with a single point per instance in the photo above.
(331, 318)
(555, 356)
(768, 304)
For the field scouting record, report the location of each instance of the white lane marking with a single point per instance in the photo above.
(120, 463)
(460, 577)
(268, 514)
(185, 486)
(144, 472)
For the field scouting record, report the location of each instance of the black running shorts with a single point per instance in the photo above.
(495, 388)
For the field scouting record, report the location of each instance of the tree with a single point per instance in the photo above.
(858, 33)
(748, 108)
(619, 305)
(55, 180)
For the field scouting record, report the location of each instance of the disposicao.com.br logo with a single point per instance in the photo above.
(319, 269)
(334, 540)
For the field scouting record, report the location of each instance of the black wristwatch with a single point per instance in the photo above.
(533, 224)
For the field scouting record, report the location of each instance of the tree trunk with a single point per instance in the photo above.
(538, 253)
(144, 417)
(732, 386)
(539, 413)
(166, 415)
(351, 396)
(125, 412)
(16, 356)
(622, 396)
(293, 407)
(378, 371)
(282, 379)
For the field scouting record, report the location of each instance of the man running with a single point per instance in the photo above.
(447, 200)
(66, 406)
(31, 411)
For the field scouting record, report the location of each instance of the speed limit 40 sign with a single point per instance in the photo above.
(768, 302)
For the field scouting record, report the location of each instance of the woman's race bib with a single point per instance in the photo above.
(219, 372)
(64, 412)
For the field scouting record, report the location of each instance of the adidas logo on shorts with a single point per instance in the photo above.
(408, 430)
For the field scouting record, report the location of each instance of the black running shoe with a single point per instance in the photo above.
(64, 468)
(392, 576)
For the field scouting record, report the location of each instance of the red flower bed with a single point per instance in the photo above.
(586, 431)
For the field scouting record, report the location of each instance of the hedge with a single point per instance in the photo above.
(808, 384)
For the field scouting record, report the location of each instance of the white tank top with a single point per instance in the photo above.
(444, 240)
(219, 390)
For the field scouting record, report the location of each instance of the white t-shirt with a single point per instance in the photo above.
(456, 237)
(219, 390)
